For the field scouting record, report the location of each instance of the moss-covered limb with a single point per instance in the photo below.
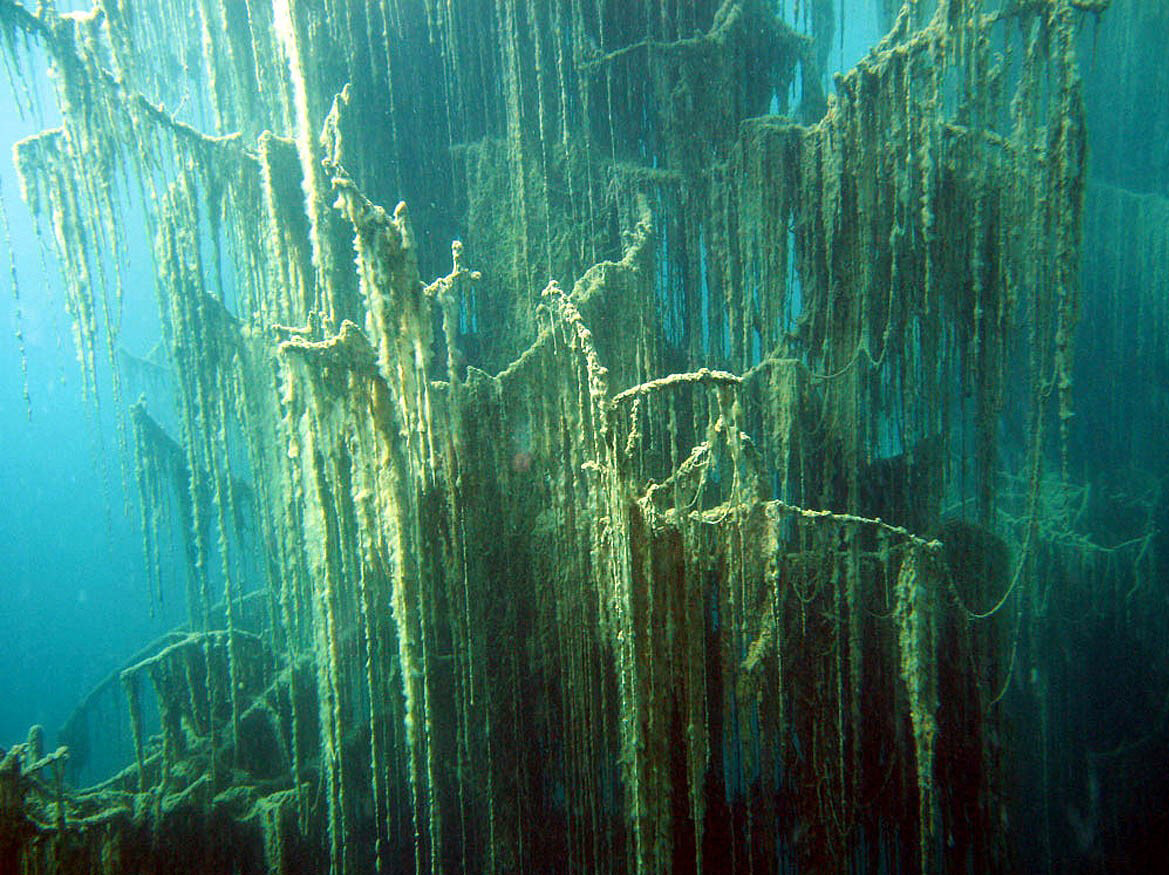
(704, 375)
(29, 757)
(47, 187)
(76, 725)
(158, 448)
(102, 833)
(30, 806)
(579, 340)
(930, 545)
(398, 311)
(192, 641)
(732, 17)
(348, 349)
(183, 678)
(1022, 8)
(60, 35)
(15, 14)
(597, 287)
(450, 293)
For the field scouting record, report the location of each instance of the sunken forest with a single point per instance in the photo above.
(604, 436)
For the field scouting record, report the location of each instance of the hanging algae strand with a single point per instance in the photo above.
(914, 609)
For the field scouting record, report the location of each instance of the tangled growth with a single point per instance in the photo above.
(662, 532)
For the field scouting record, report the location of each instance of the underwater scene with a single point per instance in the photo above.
(584, 436)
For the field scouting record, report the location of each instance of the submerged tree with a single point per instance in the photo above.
(668, 537)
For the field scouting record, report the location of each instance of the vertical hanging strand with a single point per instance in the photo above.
(913, 614)
(288, 34)
(15, 286)
(558, 23)
(505, 11)
(374, 689)
(854, 582)
(1069, 206)
(287, 586)
(225, 509)
(537, 32)
(134, 705)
